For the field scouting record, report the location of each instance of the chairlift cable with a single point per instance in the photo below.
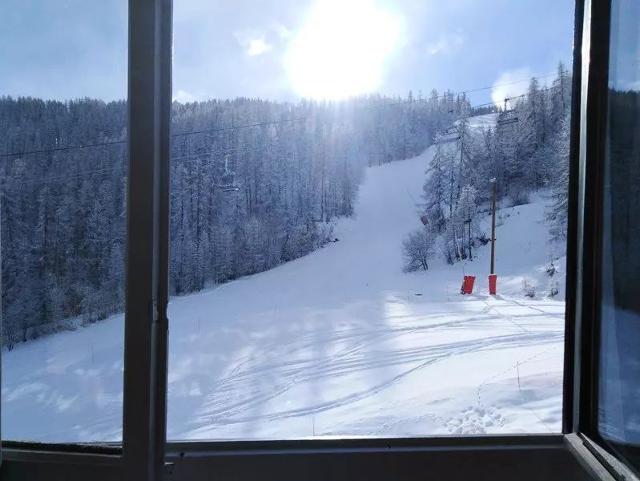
(253, 125)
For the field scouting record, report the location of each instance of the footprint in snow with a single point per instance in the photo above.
(475, 420)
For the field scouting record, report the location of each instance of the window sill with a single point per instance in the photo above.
(526, 457)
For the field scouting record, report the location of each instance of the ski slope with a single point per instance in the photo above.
(338, 343)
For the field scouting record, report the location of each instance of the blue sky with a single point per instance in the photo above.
(77, 48)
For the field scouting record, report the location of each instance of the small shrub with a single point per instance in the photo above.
(529, 288)
(418, 249)
(325, 233)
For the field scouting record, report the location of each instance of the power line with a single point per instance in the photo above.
(480, 89)
(123, 142)
(189, 158)
(184, 159)
(64, 149)
(61, 178)
(513, 97)
(258, 124)
(507, 83)
(452, 130)
(238, 127)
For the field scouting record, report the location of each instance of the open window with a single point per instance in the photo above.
(219, 192)
(325, 211)
(610, 330)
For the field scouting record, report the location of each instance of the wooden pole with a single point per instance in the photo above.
(493, 228)
(470, 254)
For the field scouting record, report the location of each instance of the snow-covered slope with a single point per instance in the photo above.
(340, 342)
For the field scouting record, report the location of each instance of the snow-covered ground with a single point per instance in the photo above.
(338, 343)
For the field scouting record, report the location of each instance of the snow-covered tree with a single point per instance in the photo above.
(418, 249)
(527, 150)
(558, 212)
(242, 199)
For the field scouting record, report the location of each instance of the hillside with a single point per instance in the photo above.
(339, 342)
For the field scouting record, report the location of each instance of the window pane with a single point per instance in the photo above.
(331, 186)
(63, 170)
(619, 410)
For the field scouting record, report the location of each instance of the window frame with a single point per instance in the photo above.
(592, 153)
(144, 453)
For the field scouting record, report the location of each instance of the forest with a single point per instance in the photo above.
(254, 184)
(526, 151)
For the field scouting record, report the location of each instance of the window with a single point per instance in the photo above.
(331, 187)
(619, 391)
(146, 454)
(63, 171)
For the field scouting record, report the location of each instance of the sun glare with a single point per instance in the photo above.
(342, 48)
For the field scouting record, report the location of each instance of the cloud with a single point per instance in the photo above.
(257, 46)
(282, 31)
(510, 83)
(446, 44)
(253, 43)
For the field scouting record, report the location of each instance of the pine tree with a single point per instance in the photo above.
(557, 214)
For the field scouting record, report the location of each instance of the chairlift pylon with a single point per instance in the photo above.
(511, 119)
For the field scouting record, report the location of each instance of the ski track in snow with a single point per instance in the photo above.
(338, 343)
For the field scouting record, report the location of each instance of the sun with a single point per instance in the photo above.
(342, 49)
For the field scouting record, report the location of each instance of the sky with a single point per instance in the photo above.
(288, 49)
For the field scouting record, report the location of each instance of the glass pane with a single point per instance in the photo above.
(63, 169)
(619, 409)
(331, 186)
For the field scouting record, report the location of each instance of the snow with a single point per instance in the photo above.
(338, 343)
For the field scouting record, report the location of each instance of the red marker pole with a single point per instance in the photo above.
(493, 281)
(467, 285)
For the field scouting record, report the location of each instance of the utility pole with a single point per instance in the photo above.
(470, 254)
(461, 135)
(493, 226)
(461, 145)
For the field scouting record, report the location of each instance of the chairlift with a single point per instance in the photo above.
(511, 120)
(227, 187)
(449, 131)
(448, 140)
(228, 184)
(507, 112)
